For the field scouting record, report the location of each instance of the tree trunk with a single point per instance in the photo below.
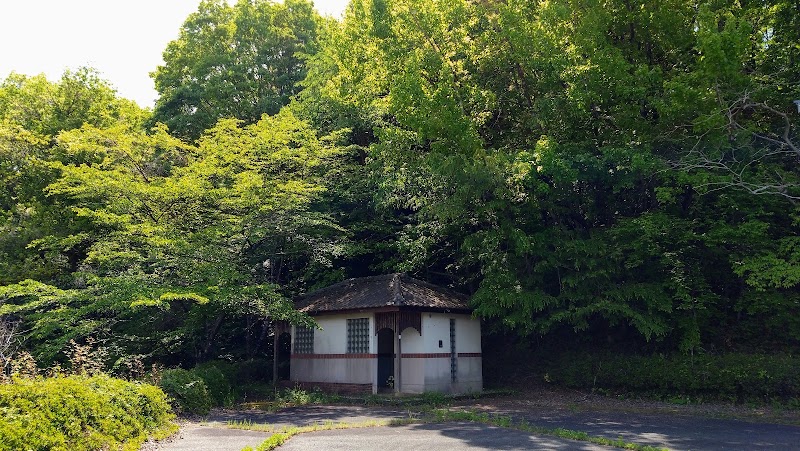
(211, 335)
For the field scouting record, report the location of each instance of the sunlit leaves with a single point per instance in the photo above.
(530, 145)
(234, 61)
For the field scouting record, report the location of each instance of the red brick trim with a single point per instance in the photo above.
(440, 355)
(334, 356)
(437, 355)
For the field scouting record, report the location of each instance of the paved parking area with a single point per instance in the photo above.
(197, 437)
(431, 437)
(659, 430)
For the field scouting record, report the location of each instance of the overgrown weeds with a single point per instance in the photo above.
(422, 401)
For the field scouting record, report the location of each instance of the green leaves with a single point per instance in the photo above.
(611, 171)
(155, 241)
(531, 150)
(778, 267)
(237, 61)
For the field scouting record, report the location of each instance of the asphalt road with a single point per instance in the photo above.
(197, 437)
(667, 431)
(672, 431)
(431, 437)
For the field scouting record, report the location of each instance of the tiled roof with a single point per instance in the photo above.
(389, 290)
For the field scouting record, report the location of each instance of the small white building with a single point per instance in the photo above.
(388, 333)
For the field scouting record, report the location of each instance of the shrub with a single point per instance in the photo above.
(245, 380)
(299, 397)
(79, 413)
(87, 359)
(736, 377)
(188, 392)
(251, 371)
(216, 376)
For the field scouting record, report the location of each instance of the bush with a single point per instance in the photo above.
(216, 376)
(245, 380)
(251, 371)
(187, 391)
(79, 413)
(299, 397)
(735, 377)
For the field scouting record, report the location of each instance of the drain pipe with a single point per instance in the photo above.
(275, 358)
(399, 362)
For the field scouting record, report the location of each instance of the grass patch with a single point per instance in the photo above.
(281, 434)
(297, 397)
(290, 397)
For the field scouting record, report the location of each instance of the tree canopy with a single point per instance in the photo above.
(151, 230)
(595, 172)
(238, 61)
(585, 166)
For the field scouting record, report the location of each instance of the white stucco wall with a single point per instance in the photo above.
(428, 371)
(413, 342)
(412, 379)
(470, 369)
(331, 338)
(435, 327)
(341, 371)
(468, 334)
(469, 375)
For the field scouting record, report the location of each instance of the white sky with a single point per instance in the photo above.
(123, 39)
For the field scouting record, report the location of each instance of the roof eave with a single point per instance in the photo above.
(391, 308)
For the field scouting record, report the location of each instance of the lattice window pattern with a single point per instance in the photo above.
(358, 336)
(303, 340)
(453, 355)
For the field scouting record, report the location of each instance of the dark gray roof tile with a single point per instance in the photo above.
(381, 291)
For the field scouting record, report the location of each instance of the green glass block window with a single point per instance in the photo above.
(358, 336)
(303, 340)
(453, 355)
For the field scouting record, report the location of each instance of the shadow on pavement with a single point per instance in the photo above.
(491, 437)
(670, 431)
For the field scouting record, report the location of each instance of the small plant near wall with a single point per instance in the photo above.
(390, 382)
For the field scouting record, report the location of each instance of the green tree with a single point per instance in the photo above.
(237, 61)
(190, 241)
(33, 111)
(531, 145)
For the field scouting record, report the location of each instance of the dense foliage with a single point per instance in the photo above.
(731, 377)
(610, 173)
(79, 413)
(625, 173)
(195, 242)
(239, 61)
(187, 391)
